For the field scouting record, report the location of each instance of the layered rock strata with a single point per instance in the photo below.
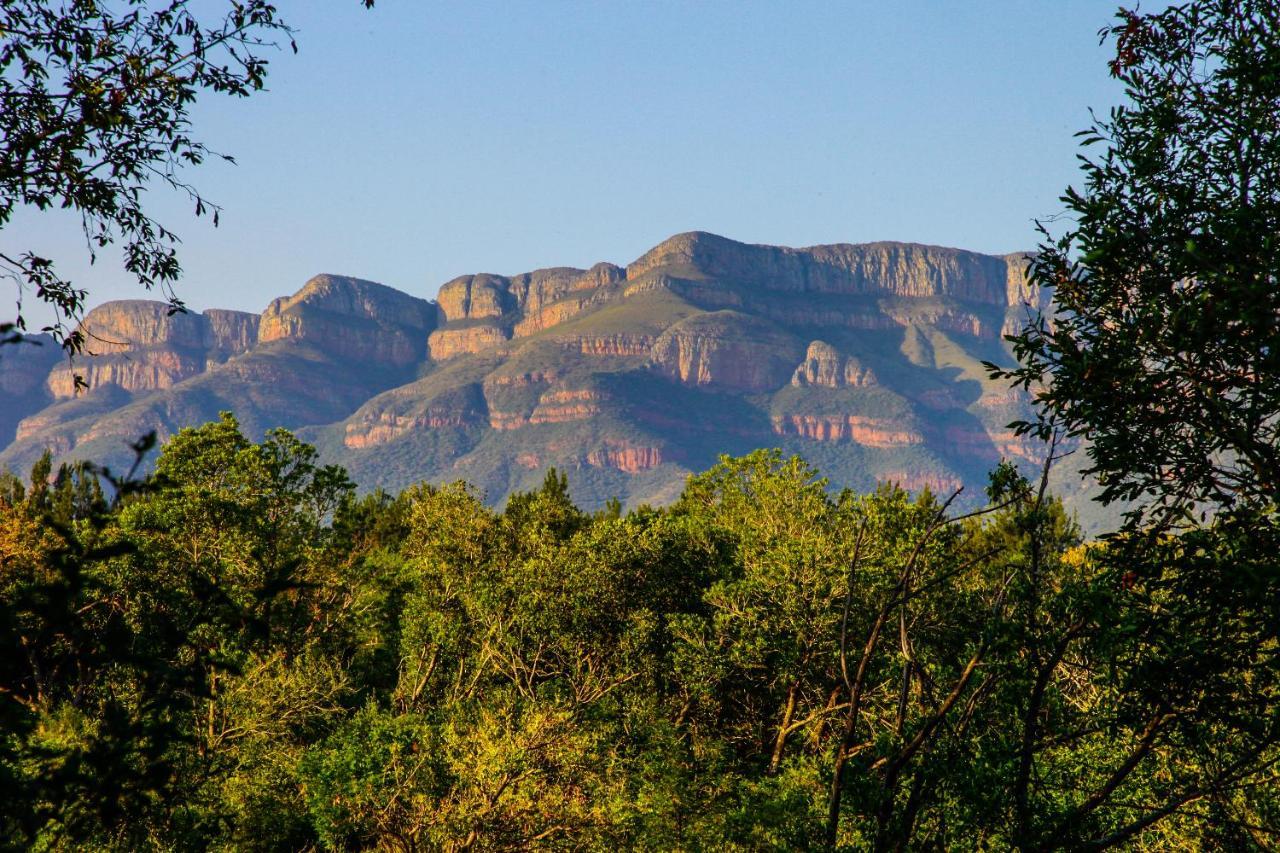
(824, 366)
(143, 345)
(352, 318)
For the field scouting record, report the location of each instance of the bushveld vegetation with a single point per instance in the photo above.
(241, 653)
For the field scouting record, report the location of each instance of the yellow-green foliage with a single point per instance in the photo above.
(239, 653)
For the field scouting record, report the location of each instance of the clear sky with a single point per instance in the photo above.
(424, 140)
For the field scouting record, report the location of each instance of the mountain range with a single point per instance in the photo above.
(865, 359)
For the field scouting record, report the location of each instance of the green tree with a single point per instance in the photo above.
(95, 102)
(1163, 354)
(1163, 351)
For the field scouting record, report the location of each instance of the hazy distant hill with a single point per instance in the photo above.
(865, 359)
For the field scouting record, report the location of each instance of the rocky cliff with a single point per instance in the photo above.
(354, 319)
(865, 358)
(144, 345)
(825, 366)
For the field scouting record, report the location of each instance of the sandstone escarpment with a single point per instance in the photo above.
(556, 406)
(520, 380)
(231, 332)
(142, 370)
(825, 367)
(625, 457)
(352, 318)
(447, 343)
(392, 417)
(869, 432)
(551, 315)
(897, 269)
(387, 426)
(536, 300)
(130, 324)
(726, 349)
(701, 346)
(143, 345)
(537, 289)
(621, 344)
(474, 297)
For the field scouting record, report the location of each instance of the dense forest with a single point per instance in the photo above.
(241, 653)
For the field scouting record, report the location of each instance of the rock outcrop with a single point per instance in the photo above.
(726, 349)
(131, 324)
(475, 297)
(143, 345)
(446, 343)
(231, 332)
(352, 318)
(144, 369)
(621, 344)
(626, 457)
(869, 432)
(866, 359)
(888, 269)
(388, 417)
(824, 366)
(555, 406)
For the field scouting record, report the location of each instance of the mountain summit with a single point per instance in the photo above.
(864, 358)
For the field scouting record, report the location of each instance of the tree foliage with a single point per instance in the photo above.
(242, 654)
(95, 102)
(1164, 348)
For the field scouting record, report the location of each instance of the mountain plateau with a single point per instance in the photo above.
(865, 359)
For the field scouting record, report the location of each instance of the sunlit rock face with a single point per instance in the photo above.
(446, 343)
(823, 365)
(726, 349)
(897, 269)
(855, 429)
(144, 345)
(354, 319)
(231, 332)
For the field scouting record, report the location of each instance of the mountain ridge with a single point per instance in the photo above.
(865, 358)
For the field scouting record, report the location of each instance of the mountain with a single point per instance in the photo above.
(865, 359)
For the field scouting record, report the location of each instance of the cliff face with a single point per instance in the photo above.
(135, 323)
(897, 269)
(865, 358)
(823, 365)
(231, 332)
(726, 349)
(141, 345)
(354, 319)
(965, 292)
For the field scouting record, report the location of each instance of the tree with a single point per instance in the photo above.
(1164, 348)
(94, 110)
(1163, 353)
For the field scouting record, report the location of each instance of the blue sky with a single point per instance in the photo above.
(424, 140)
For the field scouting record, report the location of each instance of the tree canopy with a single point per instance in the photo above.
(243, 654)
